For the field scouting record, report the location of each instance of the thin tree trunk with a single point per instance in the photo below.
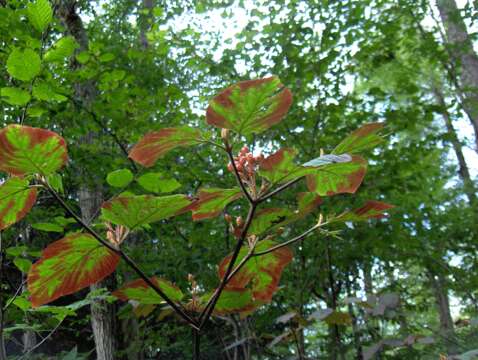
(29, 337)
(447, 329)
(144, 22)
(355, 328)
(464, 58)
(103, 314)
(3, 352)
(463, 171)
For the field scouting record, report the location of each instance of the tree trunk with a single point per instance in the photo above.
(463, 57)
(103, 314)
(447, 330)
(3, 352)
(468, 185)
(29, 337)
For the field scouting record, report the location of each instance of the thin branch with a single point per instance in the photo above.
(124, 256)
(278, 190)
(291, 241)
(41, 342)
(14, 296)
(206, 313)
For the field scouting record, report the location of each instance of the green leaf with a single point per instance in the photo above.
(61, 50)
(22, 264)
(50, 227)
(265, 219)
(83, 57)
(155, 144)
(107, 57)
(231, 301)
(250, 106)
(23, 64)
(139, 291)
(15, 251)
(364, 138)
(68, 265)
(27, 150)
(212, 201)
(15, 96)
(135, 211)
(372, 209)
(338, 178)
(16, 200)
(45, 91)
(262, 273)
(155, 182)
(56, 182)
(119, 178)
(40, 14)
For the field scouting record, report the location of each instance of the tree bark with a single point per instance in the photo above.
(447, 329)
(463, 171)
(103, 314)
(463, 57)
(29, 337)
(3, 352)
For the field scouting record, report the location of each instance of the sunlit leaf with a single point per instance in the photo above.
(68, 265)
(338, 178)
(28, 150)
(16, 200)
(158, 183)
(62, 49)
(15, 96)
(119, 178)
(262, 273)
(250, 106)
(155, 144)
(134, 211)
(139, 291)
(40, 14)
(23, 64)
(362, 139)
(212, 201)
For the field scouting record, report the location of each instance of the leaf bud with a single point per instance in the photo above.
(225, 135)
(228, 218)
(239, 221)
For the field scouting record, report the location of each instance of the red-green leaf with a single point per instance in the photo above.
(372, 209)
(364, 138)
(280, 168)
(307, 202)
(338, 178)
(16, 200)
(28, 150)
(155, 144)
(262, 272)
(134, 211)
(139, 291)
(212, 201)
(69, 265)
(250, 106)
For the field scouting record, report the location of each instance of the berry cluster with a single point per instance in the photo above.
(246, 164)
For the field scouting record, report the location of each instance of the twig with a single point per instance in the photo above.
(41, 342)
(123, 255)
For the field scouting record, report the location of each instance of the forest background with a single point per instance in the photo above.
(104, 73)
